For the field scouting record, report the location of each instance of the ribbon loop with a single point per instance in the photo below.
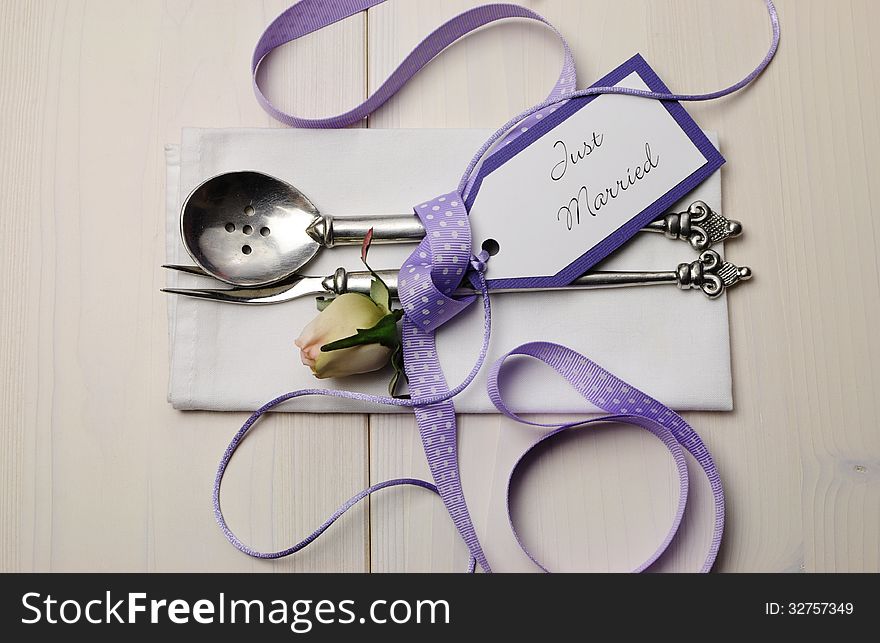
(628, 405)
(437, 266)
(655, 428)
(308, 16)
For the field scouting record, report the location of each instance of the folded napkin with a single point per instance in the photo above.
(673, 345)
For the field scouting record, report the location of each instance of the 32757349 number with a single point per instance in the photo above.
(804, 609)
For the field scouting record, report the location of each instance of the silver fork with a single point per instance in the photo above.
(710, 274)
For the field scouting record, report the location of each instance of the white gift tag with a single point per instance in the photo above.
(582, 178)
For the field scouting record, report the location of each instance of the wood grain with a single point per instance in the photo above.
(98, 473)
(799, 456)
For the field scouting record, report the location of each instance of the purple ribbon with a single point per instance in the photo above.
(308, 16)
(436, 268)
(627, 405)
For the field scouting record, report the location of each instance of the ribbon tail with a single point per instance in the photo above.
(439, 439)
(439, 433)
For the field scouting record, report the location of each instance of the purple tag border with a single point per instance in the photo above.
(612, 242)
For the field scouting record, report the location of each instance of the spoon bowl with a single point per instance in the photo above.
(248, 228)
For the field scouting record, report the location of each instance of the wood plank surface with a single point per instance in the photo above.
(800, 455)
(97, 472)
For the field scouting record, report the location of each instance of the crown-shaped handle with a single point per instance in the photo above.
(700, 226)
(711, 274)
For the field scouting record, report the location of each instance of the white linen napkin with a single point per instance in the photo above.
(674, 345)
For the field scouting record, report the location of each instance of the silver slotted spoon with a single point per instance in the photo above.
(250, 229)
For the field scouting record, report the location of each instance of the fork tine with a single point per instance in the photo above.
(200, 293)
(192, 270)
(236, 295)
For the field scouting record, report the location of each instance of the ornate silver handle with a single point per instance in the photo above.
(710, 273)
(699, 225)
(396, 228)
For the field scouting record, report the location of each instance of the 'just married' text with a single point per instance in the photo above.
(590, 200)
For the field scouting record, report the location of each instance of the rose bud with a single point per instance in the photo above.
(340, 319)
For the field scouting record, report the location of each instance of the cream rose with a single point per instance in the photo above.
(342, 318)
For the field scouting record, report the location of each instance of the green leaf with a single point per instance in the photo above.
(380, 294)
(323, 302)
(397, 365)
(383, 333)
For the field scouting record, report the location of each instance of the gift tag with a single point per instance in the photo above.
(579, 179)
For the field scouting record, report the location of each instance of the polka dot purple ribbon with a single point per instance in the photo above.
(440, 263)
(436, 268)
(432, 272)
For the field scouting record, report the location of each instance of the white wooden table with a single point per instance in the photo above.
(97, 472)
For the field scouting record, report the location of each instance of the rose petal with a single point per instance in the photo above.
(351, 361)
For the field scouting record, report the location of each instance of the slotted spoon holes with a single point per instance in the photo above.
(247, 228)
